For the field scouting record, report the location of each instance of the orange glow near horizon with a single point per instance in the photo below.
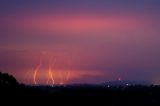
(58, 76)
(62, 77)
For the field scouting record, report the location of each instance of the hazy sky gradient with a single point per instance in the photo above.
(92, 41)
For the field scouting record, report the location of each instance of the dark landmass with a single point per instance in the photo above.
(127, 83)
(130, 95)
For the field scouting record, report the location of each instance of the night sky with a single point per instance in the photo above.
(80, 41)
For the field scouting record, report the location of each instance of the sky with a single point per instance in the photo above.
(80, 41)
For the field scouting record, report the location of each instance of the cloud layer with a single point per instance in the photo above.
(95, 40)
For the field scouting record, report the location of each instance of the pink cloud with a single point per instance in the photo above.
(66, 23)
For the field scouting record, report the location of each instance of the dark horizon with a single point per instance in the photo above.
(123, 94)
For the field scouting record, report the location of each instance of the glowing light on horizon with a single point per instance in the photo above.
(119, 79)
(59, 71)
(52, 77)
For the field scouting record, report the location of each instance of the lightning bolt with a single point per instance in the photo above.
(50, 73)
(35, 72)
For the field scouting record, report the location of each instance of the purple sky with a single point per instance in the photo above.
(80, 41)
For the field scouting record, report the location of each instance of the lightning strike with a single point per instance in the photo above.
(35, 72)
(50, 73)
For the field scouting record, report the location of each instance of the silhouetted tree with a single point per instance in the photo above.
(7, 80)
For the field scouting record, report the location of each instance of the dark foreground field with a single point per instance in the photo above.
(132, 95)
(11, 92)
